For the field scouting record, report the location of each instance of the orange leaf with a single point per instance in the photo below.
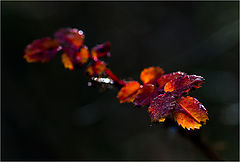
(90, 71)
(166, 78)
(97, 69)
(67, 62)
(83, 55)
(190, 113)
(128, 92)
(149, 75)
(185, 121)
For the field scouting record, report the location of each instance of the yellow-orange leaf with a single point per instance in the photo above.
(90, 71)
(186, 121)
(190, 113)
(149, 75)
(99, 67)
(128, 92)
(83, 55)
(169, 87)
(67, 62)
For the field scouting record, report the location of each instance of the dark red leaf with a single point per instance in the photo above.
(144, 95)
(41, 50)
(71, 41)
(167, 77)
(161, 107)
(101, 50)
(183, 84)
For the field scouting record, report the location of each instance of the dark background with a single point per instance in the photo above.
(49, 113)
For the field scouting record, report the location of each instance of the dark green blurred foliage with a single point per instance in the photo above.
(49, 113)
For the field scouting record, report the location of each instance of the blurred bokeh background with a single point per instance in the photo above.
(50, 113)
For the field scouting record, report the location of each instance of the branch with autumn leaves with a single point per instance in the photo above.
(166, 95)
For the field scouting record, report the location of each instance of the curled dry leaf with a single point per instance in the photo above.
(128, 92)
(41, 50)
(151, 74)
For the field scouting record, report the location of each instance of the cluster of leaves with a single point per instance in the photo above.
(165, 95)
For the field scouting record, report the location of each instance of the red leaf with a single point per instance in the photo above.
(166, 78)
(41, 50)
(71, 40)
(161, 107)
(144, 95)
(101, 50)
(183, 84)
(190, 113)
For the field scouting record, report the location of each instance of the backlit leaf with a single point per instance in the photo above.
(41, 50)
(71, 40)
(97, 68)
(101, 50)
(151, 74)
(161, 107)
(186, 121)
(128, 92)
(144, 95)
(83, 55)
(167, 77)
(190, 113)
(67, 62)
(90, 71)
(183, 84)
